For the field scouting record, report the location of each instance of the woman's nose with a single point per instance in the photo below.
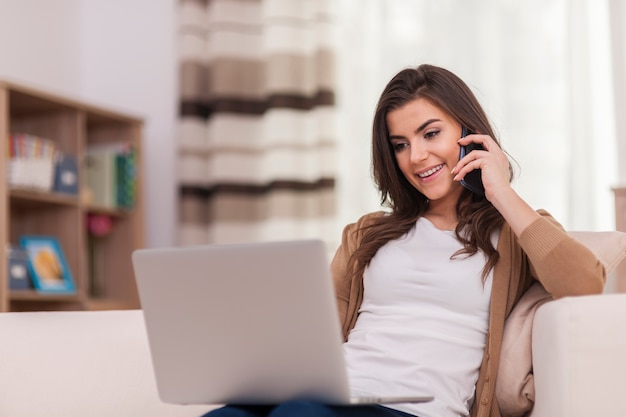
(418, 153)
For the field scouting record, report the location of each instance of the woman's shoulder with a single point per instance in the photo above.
(371, 217)
(353, 231)
(367, 220)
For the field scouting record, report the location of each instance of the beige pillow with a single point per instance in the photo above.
(515, 389)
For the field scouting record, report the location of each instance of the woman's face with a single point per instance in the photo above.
(424, 140)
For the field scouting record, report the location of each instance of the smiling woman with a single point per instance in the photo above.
(423, 289)
(415, 140)
(410, 114)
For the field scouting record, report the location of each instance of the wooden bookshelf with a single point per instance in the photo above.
(73, 127)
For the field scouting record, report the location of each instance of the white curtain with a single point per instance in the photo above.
(257, 121)
(541, 68)
(617, 11)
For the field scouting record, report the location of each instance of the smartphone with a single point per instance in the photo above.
(473, 180)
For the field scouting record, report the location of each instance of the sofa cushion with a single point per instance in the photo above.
(609, 247)
(578, 357)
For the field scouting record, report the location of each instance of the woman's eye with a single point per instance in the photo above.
(431, 134)
(398, 147)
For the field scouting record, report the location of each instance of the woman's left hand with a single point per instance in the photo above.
(492, 161)
(496, 177)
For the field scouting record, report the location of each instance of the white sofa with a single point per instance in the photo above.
(79, 363)
(97, 364)
(579, 357)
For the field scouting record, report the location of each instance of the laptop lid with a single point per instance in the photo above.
(242, 323)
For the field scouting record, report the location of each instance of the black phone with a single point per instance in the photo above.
(473, 180)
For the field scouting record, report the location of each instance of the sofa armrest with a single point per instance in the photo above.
(579, 357)
(80, 363)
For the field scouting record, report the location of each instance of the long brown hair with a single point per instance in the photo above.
(477, 218)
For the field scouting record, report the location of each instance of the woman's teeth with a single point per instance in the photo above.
(430, 171)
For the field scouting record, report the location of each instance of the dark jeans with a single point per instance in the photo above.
(302, 408)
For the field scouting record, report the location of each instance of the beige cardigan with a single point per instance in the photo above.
(544, 251)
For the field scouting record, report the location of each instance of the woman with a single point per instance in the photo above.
(424, 288)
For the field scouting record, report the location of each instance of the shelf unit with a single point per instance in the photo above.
(73, 126)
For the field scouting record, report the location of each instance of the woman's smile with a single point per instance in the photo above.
(428, 174)
(424, 139)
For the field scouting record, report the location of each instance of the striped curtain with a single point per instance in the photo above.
(257, 134)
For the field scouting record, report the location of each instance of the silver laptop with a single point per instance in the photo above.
(245, 324)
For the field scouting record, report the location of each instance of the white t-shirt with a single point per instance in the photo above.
(423, 323)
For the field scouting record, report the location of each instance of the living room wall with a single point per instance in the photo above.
(118, 54)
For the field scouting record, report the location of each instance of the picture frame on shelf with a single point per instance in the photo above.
(47, 265)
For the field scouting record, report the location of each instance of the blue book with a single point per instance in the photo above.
(19, 277)
(66, 174)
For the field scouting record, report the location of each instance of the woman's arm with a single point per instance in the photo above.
(516, 212)
(563, 265)
(340, 274)
(349, 288)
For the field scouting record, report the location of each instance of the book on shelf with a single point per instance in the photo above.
(19, 277)
(65, 174)
(36, 163)
(47, 266)
(111, 175)
(31, 161)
